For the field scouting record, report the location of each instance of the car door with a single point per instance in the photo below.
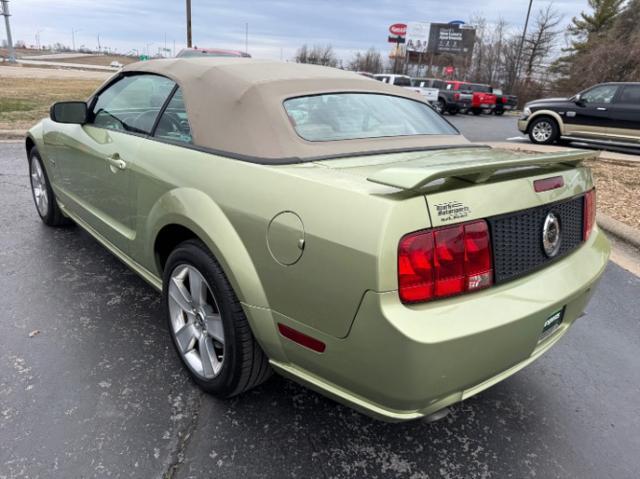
(94, 167)
(625, 114)
(152, 174)
(590, 117)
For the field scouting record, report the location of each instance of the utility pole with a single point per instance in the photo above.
(189, 42)
(524, 34)
(73, 38)
(38, 39)
(6, 15)
(246, 38)
(99, 43)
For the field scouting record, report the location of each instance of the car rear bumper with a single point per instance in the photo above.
(400, 363)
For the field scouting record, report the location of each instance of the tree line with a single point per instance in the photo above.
(601, 44)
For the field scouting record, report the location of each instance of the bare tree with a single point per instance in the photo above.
(541, 41)
(369, 61)
(317, 55)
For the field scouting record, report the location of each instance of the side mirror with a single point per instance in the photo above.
(578, 100)
(74, 112)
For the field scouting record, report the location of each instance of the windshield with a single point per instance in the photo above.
(349, 116)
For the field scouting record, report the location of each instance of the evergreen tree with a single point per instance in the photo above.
(587, 26)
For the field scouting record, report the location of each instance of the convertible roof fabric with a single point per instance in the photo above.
(235, 107)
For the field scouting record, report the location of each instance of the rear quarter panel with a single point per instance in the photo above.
(230, 203)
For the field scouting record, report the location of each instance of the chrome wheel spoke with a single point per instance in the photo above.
(196, 321)
(39, 187)
(214, 327)
(197, 288)
(180, 295)
(186, 337)
(208, 357)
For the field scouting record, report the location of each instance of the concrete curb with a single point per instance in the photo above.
(618, 229)
(12, 134)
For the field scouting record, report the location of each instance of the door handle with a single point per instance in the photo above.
(601, 108)
(117, 162)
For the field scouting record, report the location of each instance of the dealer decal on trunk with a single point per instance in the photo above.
(452, 210)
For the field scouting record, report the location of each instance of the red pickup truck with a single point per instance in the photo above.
(483, 98)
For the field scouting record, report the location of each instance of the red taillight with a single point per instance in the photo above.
(504, 99)
(456, 96)
(589, 209)
(444, 262)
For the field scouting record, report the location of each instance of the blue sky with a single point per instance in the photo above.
(276, 27)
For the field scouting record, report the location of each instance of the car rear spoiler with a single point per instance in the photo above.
(416, 177)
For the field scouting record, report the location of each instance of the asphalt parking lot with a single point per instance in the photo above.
(91, 387)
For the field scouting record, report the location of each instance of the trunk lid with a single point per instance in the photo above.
(466, 182)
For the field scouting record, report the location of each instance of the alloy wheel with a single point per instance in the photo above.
(39, 187)
(196, 321)
(542, 131)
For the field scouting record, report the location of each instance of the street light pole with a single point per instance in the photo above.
(524, 34)
(246, 38)
(189, 42)
(6, 15)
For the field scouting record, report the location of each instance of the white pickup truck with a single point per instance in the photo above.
(430, 94)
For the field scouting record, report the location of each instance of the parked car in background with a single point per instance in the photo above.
(482, 97)
(210, 52)
(608, 113)
(504, 102)
(366, 74)
(448, 101)
(334, 229)
(116, 64)
(430, 94)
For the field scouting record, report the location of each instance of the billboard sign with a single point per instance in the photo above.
(451, 38)
(417, 36)
(398, 29)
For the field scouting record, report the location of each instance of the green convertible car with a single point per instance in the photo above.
(336, 230)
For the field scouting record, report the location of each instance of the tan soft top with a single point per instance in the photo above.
(235, 107)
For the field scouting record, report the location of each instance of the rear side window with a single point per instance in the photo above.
(174, 124)
(132, 103)
(479, 88)
(347, 116)
(630, 95)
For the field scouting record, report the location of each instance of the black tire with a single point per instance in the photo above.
(52, 216)
(476, 111)
(498, 112)
(544, 131)
(244, 364)
(453, 110)
(440, 106)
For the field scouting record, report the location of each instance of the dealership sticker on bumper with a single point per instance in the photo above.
(551, 324)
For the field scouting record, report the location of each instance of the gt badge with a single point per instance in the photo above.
(551, 235)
